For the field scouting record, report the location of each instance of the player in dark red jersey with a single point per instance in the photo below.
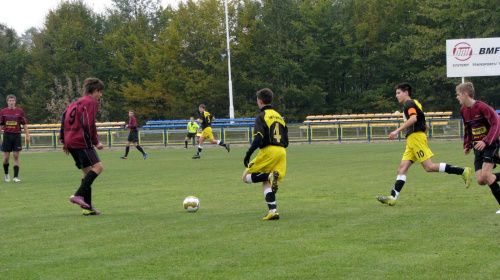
(133, 136)
(481, 132)
(11, 119)
(79, 136)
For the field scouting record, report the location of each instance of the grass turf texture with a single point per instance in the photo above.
(331, 225)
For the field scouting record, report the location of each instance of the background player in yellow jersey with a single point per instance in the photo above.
(192, 128)
(206, 120)
(416, 145)
(270, 134)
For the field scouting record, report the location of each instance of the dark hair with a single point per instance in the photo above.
(266, 95)
(92, 84)
(405, 87)
(203, 106)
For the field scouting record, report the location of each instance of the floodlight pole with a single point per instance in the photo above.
(231, 107)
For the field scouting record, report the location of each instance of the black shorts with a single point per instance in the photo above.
(11, 142)
(191, 135)
(84, 157)
(133, 137)
(489, 154)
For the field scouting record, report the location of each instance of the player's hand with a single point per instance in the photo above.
(99, 146)
(466, 151)
(65, 150)
(246, 160)
(480, 145)
(393, 134)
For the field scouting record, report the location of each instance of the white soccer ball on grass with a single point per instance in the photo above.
(191, 204)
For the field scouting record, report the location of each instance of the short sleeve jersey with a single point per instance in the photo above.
(271, 126)
(481, 123)
(78, 129)
(12, 119)
(206, 117)
(414, 108)
(192, 127)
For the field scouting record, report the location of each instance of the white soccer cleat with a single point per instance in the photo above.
(16, 179)
(498, 212)
(7, 178)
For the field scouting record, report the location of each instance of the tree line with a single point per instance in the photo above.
(318, 56)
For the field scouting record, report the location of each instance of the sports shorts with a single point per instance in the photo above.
(191, 135)
(133, 137)
(84, 157)
(11, 142)
(207, 133)
(488, 154)
(417, 147)
(270, 158)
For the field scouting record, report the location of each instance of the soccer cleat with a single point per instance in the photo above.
(79, 200)
(272, 216)
(90, 212)
(196, 156)
(145, 155)
(498, 212)
(16, 179)
(386, 200)
(7, 178)
(273, 179)
(227, 147)
(124, 157)
(185, 148)
(467, 176)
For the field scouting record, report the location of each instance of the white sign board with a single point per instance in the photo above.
(473, 57)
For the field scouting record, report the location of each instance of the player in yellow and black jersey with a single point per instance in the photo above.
(416, 145)
(206, 119)
(269, 166)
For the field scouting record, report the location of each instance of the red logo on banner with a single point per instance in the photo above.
(462, 51)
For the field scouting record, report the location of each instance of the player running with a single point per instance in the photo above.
(481, 132)
(206, 120)
(416, 145)
(133, 136)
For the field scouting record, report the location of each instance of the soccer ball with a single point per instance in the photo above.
(191, 204)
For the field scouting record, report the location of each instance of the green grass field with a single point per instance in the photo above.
(331, 225)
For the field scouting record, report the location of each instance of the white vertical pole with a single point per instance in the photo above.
(231, 107)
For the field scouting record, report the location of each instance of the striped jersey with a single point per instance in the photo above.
(481, 123)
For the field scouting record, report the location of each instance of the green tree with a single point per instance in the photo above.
(14, 60)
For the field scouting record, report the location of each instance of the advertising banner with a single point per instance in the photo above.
(473, 57)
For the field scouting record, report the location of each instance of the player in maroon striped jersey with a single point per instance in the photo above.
(11, 119)
(481, 132)
(79, 136)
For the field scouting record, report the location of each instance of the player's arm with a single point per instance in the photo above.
(494, 130)
(257, 141)
(61, 134)
(411, 121)
(91, 129)
(27, 132)
(467, 137)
